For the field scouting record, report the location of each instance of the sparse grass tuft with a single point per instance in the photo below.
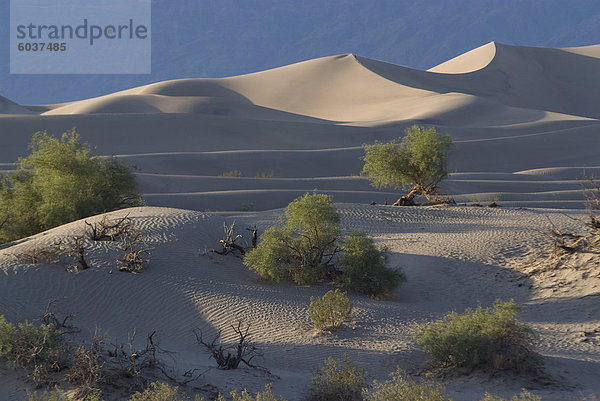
(524, 396)
(158, 391)
(266, 395)
(266, 174)
(232, 173)
(399, 388)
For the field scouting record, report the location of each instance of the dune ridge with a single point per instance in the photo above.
(525, 130)
(508, 109)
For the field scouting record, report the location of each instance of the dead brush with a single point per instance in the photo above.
(135, 258)
(109, 230)
(230, 357)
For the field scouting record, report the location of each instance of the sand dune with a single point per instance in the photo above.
(8, 107)
(507, 108)
(525, 127)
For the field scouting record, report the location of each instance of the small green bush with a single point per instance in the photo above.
(159, 391)
(266, 395)
(232, 173)
(267, 174)
(524, 396)
(398, 388)
(490, 337)
(331, 310)
(365, 267)
(339, 380)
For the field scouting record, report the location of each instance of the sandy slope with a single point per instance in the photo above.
(453, 257)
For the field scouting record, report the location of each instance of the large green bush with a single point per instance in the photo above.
(339, 380)
(301, 249)
(331, 310)
(399, 388)
(365, 267)
(417, 162)
(490, 337)
(60, 181)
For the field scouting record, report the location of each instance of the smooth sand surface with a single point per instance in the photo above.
(525, 129)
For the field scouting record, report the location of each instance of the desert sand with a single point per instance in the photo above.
(525, 127)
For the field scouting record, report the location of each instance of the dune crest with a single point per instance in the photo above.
(470, 61)
(10, 107)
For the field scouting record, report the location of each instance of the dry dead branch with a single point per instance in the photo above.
(254, 231)
(566, 241)
(74, 248)
(592, 196)
(230, 357)
(61, 325)
(133, 361)
(108, 230)
(228, 243)
(136, 254)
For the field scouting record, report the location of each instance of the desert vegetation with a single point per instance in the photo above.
(232, 174)
(491, 338)
(400, 388)
(59, 182)
(416, 162)
(38, 349)
(303, 246)
(330, 311)
(337, 379)
(365, 267)
(230, 357)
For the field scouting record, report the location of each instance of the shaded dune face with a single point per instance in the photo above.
(509, 109)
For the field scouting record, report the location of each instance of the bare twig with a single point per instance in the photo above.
(228, 243)
(230, 357)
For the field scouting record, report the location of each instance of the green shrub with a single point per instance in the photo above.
(38, 349)
(301, 249)
(524, 396)
(6, 337)
(399, 388)
(365, 267)
(418, 161)
(490, 337)
(331, 310)
(59, 182)
(266, 395)
(232, 173)
(159, 391)
(339, 380)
